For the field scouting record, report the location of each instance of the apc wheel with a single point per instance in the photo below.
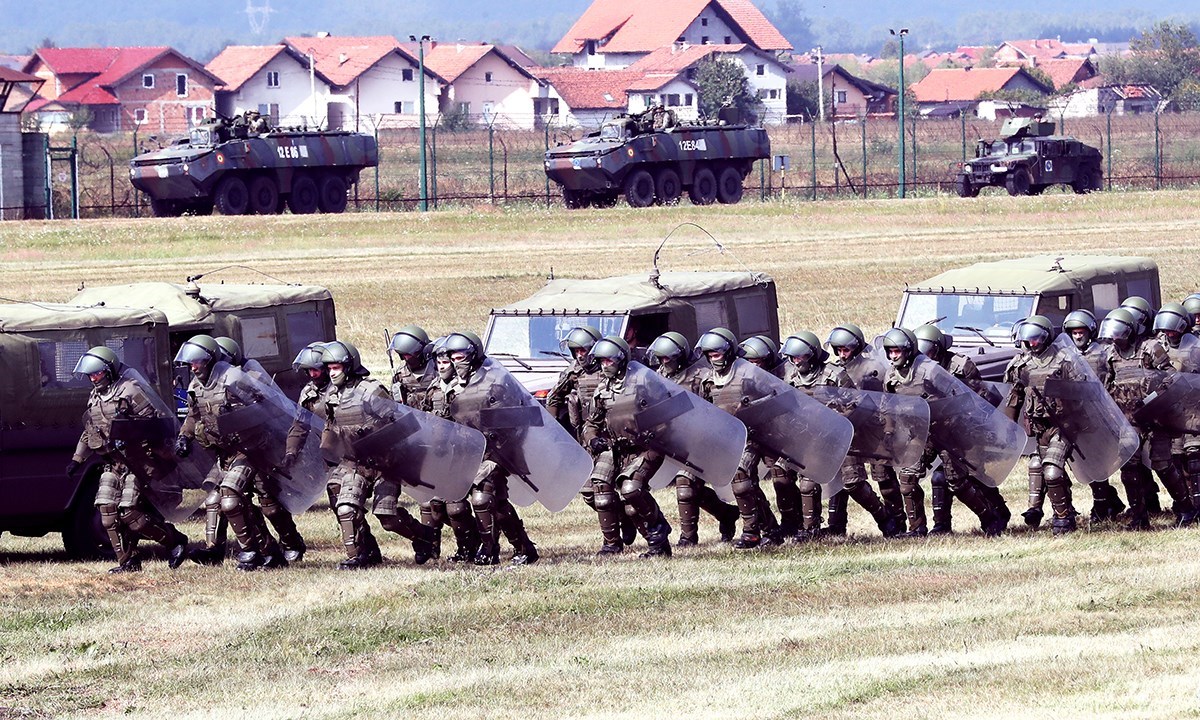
(333, 194)
(264, 195)
(965, 188)
(729, 186)
(303, 200)
(200, 207)
(83, 536)
(704, 187)
(639, 189)
(667, 186)
(605, 200)
(1018, 182)
(574, 199)
(165, 208)
(232, 196)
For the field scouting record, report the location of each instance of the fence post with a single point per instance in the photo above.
(812, 126)
(762, 180)
(1157, 154)
(1108, 137)
(1062, 123)
(915, 179)
(433, 175)
(546, 127)
(377, 168)
(75, 177)
(137, 196)
(864, 153)
(962, 117)
(491, 165)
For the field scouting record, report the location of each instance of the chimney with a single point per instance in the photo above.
(342, 58)
(323, 34)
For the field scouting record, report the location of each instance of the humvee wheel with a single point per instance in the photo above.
(1089, 180)
(1018, 182)
(704, 187)
(264, 195)
(303, 200)
(667, 186)
(1037, 189)
(729, 186)
(232, 196)
(165, 208)
(965, 188)
(332, 198)
(574, 199)
(639, 189)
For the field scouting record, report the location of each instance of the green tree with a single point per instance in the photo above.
(722, 82)
(802, 98)
(1165, 56)
(789, 18)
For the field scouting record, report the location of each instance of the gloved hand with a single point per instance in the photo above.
(183, 446)
(73, 467)
(289, 459)
(598, 445)
(118, 445)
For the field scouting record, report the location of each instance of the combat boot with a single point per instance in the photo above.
(1033, 516)
(178, 552)
(249, 561)
(488, 554)
(687, 540)
(629, 530)
(426, 544)
(274, 561)
(747, 541)
(214, 555)
(727, 523)
(1063, 525)
(295, 553)
(836, 525)
(132, 565)
(890, 525)
(527, 555)
(358, 562)
(607, 549)
(940, 503)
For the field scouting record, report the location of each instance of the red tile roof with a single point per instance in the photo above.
(674, 59)
(10, 75)
(238, 63)
(1067, 70)
(75, 61)
(949, 84)
(108, 67)
(640, 26)
(341, 60)
(451, 60)
(591, 89)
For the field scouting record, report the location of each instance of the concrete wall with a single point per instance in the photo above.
(33, 163)
(12, 174)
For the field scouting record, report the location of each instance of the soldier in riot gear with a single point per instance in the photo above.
(763, 352)
(1192, 304)
(312, 399)
(936, 345)
(1028, 373)
(672, 357)
(621, 465)
(909, 374)
(759, 525)
(1143, 315)
(810, 368)
(125, 511)
(234, 474)
(494, 512)
(846, 343)
(1190, 462)
(346, 420)
(1168, 352)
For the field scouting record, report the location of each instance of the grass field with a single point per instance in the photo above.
(1096, 625)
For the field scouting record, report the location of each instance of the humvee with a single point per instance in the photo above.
(41, 411)
(978, 305)
(527, 336)
(1027, 159)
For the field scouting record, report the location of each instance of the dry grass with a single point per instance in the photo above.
(1101, 624)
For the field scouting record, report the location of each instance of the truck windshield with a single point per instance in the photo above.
(994, 315)
(532, 336)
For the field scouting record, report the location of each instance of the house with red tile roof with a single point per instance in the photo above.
(614, 34)
(958, 85)
(766, 73)
(486, 84)
(1030, 52)
(579, 97)
(371, 81)
(272, 79)
(1068, 71)
(153, 89)
(848, 95)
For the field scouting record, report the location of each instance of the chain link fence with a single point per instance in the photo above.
(480, 164)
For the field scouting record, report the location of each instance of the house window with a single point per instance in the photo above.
(464, 108)
(704, 22)
(273, 79)
(181, 84)
(139, 116)
(198, 115)
(773, 94)
(703, 39)
(841, 97)
(647, 100)
(728, 39)
(148, 81)
(672, 100)
(591, 47)
(404, 107)
(687, 99)
(406, 75)
(487, 77)
(760, 69)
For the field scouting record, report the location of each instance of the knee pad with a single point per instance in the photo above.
(607, 501)
(392, 523)
(109, 490)
(134, 519)
(909, 483)
(347, 513)
(239, 478)
(685, 493)
(1053, 474)
(938, 479)
(743, 484)
(270, 506)
(1035, 464)
(809, 488)
(483, 500)
(632, 488)
(231, 500)
(458, 509)
(212, 501)
(778, 476)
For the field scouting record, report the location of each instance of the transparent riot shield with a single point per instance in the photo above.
(544, 462)
(869, 369)
(433, 458)
(659, 414)
(786, 422)
(888, 428)
(1088, 416)
(258, 421)
(997, 392)
(1188, 353)
(174, 485)
(1174, 406)
(976, 436)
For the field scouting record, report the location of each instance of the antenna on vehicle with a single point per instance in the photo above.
(1058, 264)
(655, 273)
(194, 278)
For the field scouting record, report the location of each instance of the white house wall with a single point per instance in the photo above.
(370, 101)
(708, 29)
(689, 101)
(292, 96)
(773, 79)
(508, 98)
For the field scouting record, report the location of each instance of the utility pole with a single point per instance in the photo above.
(820, 84)
(312, 86)
(900, 34)
(422, 176)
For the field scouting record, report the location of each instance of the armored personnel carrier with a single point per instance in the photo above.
(652, 158)
(1027, 159)
(244, 166)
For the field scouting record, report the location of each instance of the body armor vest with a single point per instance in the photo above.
(205, 403)
(408, 387)
(864, 373)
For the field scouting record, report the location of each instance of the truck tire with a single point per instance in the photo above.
(574, 199)
(303, 200)
(332, 198)
(264, 195)
(704, 187)
(639, 189)
(729, 186)
(605, 200)
(83, 536)
(1089, 180)
(1018, 182)
(667, 186)
(965, 188)
(232, 196)
(165, 208)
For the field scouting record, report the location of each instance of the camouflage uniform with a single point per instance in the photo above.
(437, 398)
(125, 511)
(409, 386)
(1169, 452)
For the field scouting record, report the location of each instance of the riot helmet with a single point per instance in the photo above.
(1120, 327)
(1081, 326)
(804, 351)
(932, 342)
(1142, 313)
(411, 344)
(342, 360)
(1192, 304)
(580, 342)
(441, 359)
(720, 348)
(612, 354)
(100, 365)
(900, 344)
(760, 350)
(200, 352)
(231, 352)
(1034, 333)
(1172, 321)
(670, 349)
(846, 341)
(466, 353)
(309, 361)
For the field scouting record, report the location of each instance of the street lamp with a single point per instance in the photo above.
(421, 110)
(900, 34)
(820, 83)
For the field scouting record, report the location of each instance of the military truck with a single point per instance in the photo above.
(1027, 159)
(651, 157)
(527, 335)
(978, 305)
(41, 411)
(244, 166)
